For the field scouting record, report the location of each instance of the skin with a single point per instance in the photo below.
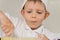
(6, 25)
(35, 14)
(42, 37)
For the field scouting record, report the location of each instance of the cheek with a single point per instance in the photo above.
(27, 17)
(41, 17)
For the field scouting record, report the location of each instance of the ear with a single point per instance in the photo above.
(46, 14)
(22, 12)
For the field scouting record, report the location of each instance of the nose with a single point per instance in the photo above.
(33, 15)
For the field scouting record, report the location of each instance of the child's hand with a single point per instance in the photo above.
(42, 37)
(8, 28)
(7, 25)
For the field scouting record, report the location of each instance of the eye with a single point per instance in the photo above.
(29, 11)
(39, 12)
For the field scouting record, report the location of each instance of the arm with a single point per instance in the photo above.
(7, 25)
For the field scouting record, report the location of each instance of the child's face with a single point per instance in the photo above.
(34, 14)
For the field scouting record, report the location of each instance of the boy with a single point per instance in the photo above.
(34, 13)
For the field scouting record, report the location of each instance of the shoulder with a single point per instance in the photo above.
(49, 34)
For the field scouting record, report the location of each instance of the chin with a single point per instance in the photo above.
(33, 26)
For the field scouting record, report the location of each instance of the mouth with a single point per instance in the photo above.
(33, 21)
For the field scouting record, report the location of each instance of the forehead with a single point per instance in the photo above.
(36, 5)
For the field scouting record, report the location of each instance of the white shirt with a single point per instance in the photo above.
(23, 30)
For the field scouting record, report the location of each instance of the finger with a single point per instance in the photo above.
(4, 28)
(7, 30)
(9, 33)
(45, 37)
(39, 35)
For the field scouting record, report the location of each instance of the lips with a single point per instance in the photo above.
(33, 21)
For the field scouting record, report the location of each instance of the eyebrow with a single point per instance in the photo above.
(36, 9)
(40, 10)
